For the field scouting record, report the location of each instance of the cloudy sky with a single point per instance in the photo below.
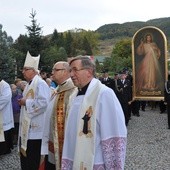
(69, 14)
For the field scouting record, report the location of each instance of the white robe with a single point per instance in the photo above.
(111, 132)
(6, 105)
(50, 120)
(40, 101)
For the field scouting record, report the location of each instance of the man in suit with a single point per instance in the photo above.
(106, 79)
(124, 94)
(115, 86)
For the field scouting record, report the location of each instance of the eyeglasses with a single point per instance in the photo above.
(75, 70)
(55, 69)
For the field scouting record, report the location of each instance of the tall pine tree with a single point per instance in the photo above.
(35, 40)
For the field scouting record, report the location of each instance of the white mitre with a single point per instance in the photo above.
(31, 61)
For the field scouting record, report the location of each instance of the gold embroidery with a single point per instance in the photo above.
(30, 94)
(25, 124)
(23, 152)
(33, 126)
(60, 121)
(82, 166)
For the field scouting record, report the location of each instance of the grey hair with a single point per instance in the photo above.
(65, 65)
(86, 62)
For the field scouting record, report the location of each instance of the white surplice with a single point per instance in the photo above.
(7, 120)
(110, 132)
(37, 98)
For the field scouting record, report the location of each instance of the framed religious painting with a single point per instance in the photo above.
(149, 62)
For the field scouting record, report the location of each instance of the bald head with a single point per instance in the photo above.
(61, 72)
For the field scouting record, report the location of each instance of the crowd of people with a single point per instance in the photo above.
(71, 126)
(69, 120)
(122, 83)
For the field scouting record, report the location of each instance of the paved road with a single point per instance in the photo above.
(148, 145)
(10, 161)
(148, 142)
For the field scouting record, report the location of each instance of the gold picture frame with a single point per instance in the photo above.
(149, 63)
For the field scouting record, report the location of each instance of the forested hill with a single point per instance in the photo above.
(128, 29)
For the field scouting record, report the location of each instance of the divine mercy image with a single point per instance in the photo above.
(149, 61)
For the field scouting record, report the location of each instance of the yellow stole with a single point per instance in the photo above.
(55, 145)
(60, 122)
(58, 119)
(29, 93)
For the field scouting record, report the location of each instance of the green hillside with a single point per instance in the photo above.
(128, 29)
(111, 33)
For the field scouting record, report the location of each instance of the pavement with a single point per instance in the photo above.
(148, 144)
(10, 161)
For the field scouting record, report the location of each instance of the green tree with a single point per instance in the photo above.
(22, 44)
(68, 44)
(85, 41)
(6, 61)
(18, 60)
(57, 39)
(19, 51)
(98, 66)
(121, 55)
(86, 46)
(52, 55)
(93, 39)
(35, 40)
(62, 55)
(61, 40)
(107, 64)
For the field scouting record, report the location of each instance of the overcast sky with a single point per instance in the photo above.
(69, 14)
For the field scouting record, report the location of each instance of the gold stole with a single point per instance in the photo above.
(26, 121)
(55, 145)
(60, 122)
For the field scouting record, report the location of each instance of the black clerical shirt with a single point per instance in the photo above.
(83, 90)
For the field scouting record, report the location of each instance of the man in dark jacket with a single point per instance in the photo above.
(106, 79)
(124, 94)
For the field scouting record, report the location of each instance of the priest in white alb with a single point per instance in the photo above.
(35, 99)
(6, 118)
(96, 134)
(56, 117)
